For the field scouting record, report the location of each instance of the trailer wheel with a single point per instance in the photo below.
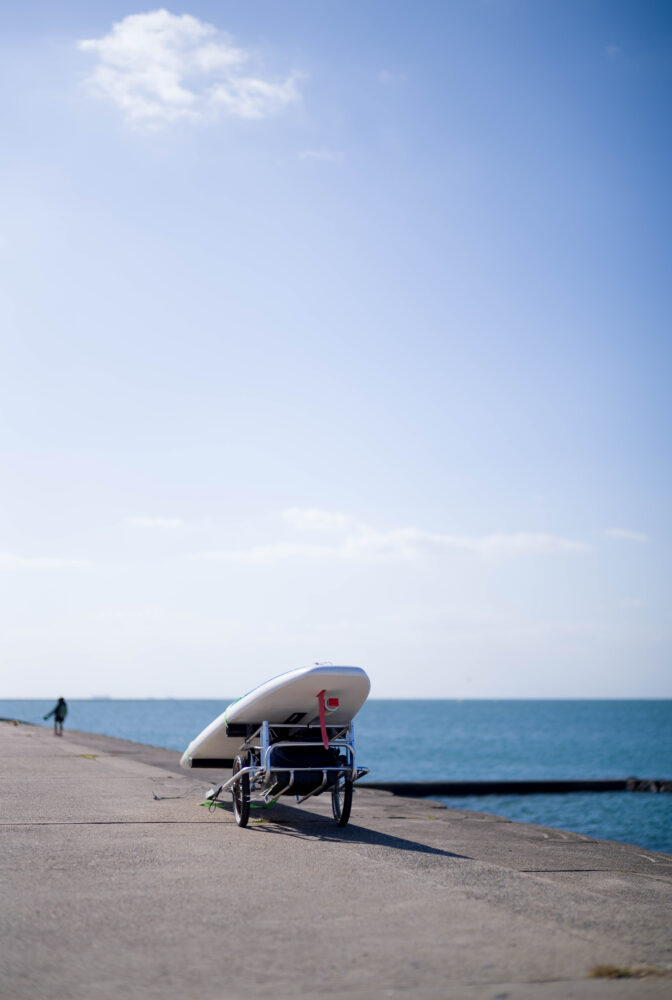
(341, 800)
(241, 792)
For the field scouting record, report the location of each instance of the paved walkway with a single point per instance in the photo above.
(116, 883)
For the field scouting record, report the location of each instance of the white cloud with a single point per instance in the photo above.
(613, 51)
(386, 77)
(9, 561)
(313, 519)
(155, 522)
(633, 602)
(357, 541)
(412, 542)
(325, 155)
(272, 553)
(627, 536)
(159, 67)
(522, 542)
(247, 97)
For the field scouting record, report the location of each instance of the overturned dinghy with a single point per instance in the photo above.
(293, 735)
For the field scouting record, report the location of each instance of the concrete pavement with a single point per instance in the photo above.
(117, 883)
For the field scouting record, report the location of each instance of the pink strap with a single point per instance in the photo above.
(323, 719)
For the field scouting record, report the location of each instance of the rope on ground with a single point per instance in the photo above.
(182, 795)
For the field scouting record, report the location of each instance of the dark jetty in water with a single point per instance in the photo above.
(425, 788)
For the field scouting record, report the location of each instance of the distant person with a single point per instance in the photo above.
(59, 712)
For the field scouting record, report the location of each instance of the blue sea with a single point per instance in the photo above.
(462, 741)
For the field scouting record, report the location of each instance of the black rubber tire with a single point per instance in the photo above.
(241, 792)
(341, 800)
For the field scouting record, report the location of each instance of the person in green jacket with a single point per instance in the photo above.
(59, 712)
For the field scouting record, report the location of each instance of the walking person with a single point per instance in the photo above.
(59, 712)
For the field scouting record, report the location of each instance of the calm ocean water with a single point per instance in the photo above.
(467, 740)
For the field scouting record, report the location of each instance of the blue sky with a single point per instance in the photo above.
(336, 332)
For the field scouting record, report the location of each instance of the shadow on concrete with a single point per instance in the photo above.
(306, 825)
(318, 828)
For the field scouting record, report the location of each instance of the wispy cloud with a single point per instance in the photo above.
(626, 535)
(155, 522)
(9, 561)
(358, 541)
(325, 155)
(633, 602)
(158, 68)
(613, 51)
(271, 553)
(314, 519)
(387, 77)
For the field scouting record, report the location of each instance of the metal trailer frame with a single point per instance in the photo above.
(255, 777)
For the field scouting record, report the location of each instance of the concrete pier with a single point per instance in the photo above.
(117, 883)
